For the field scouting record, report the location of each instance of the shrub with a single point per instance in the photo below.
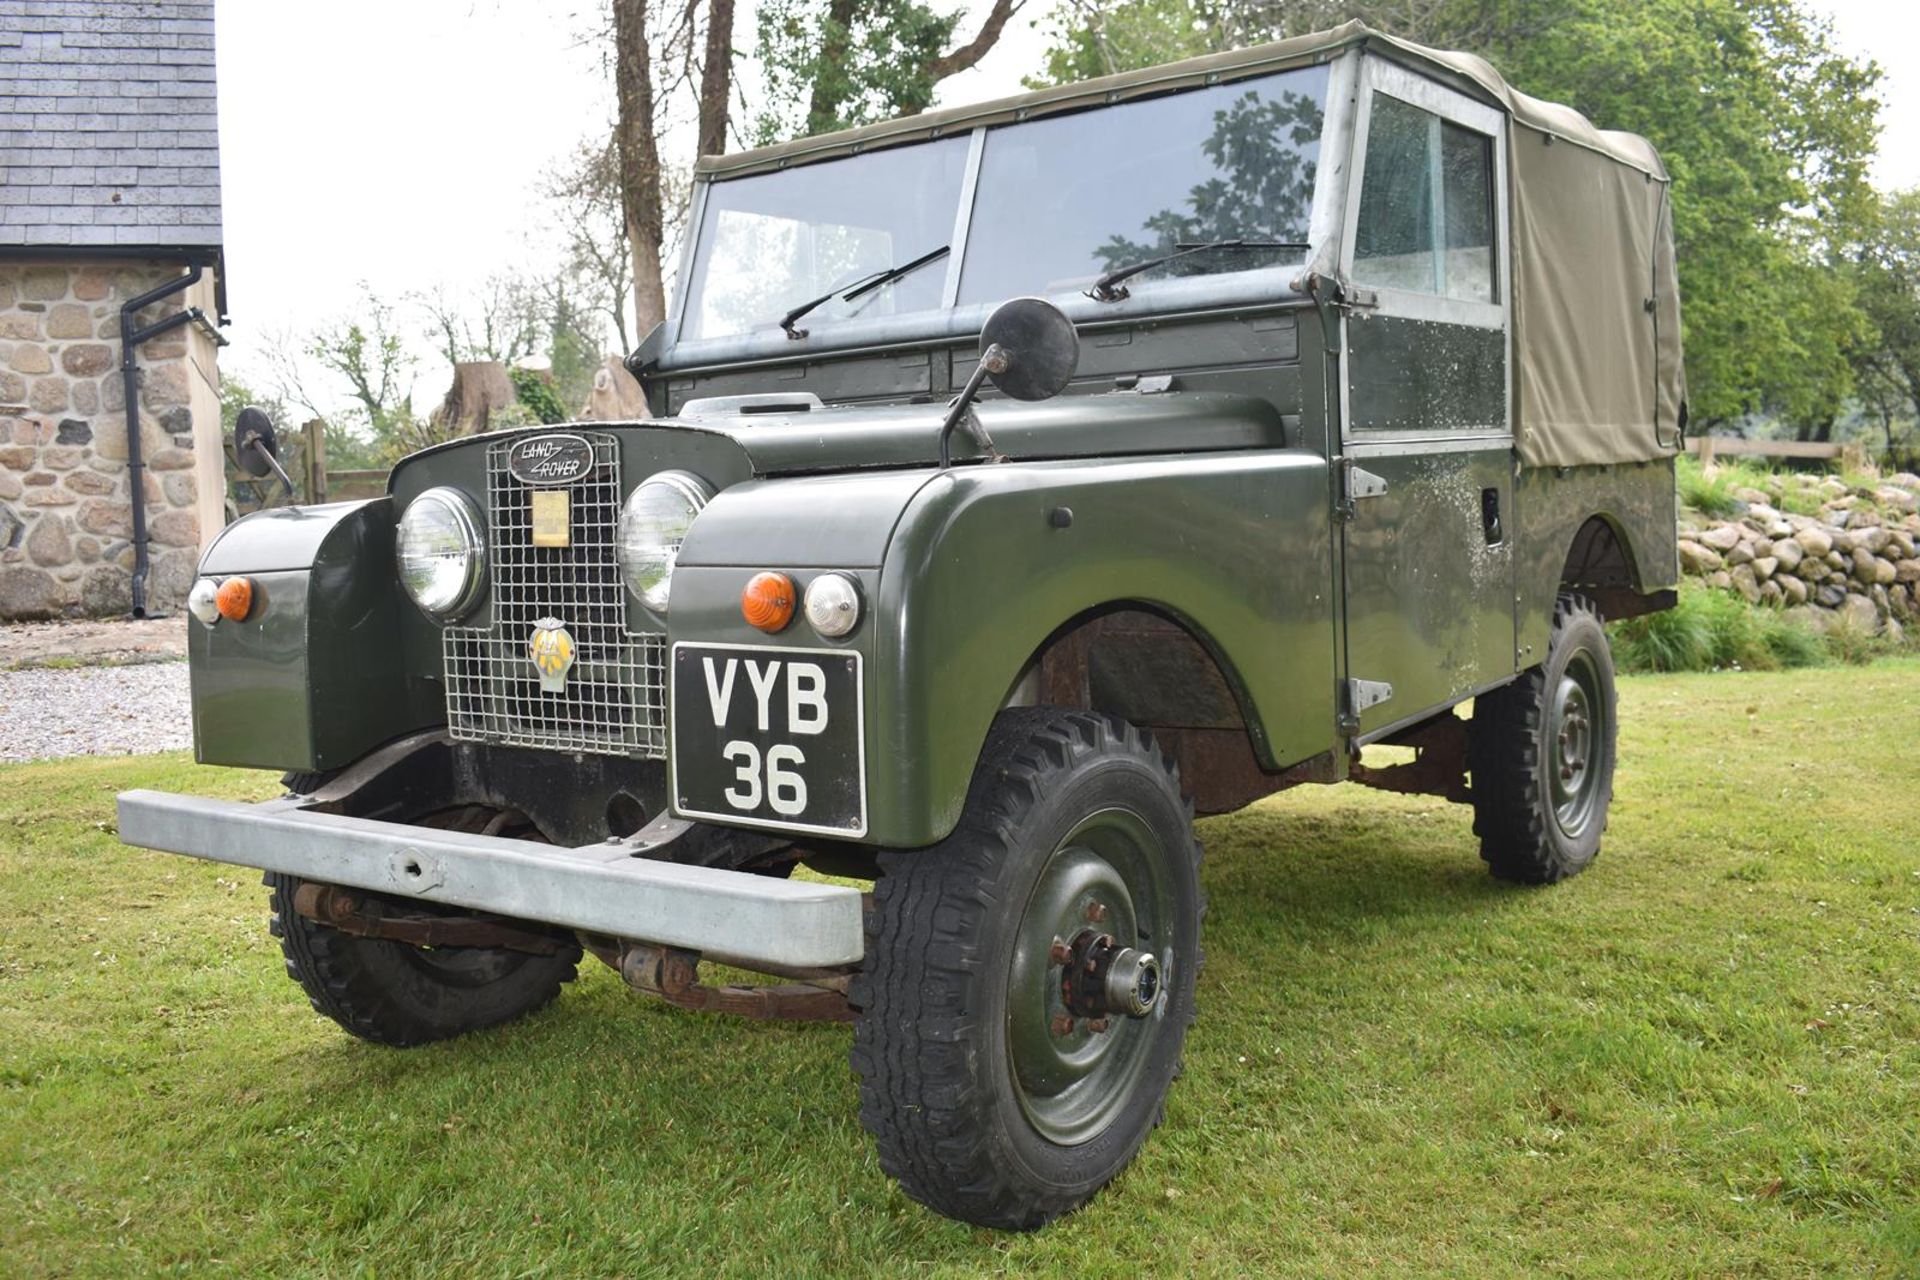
(1713, 630)
(1712, 494)
(539, 399)
(1854, 645)
(1800, 500)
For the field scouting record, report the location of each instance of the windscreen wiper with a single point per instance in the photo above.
(1104, 289)
(865, 284)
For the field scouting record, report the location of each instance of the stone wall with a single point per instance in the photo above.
(1826, 551)
(66, 519)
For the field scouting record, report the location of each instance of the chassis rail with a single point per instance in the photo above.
(753, 921)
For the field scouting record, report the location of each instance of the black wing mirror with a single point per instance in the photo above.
(256, 446)
(1028, 348)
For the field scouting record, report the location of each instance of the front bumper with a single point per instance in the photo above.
(732, 916)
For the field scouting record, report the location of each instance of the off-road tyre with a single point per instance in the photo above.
(400, 995)
(1532, 831)
(935, 1041)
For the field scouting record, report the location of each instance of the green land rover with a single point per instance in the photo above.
(1019, 481)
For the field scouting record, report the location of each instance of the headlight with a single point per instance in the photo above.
(441, 554)
(653, 524)
(833, 605)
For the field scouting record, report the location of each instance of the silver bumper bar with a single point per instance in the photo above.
(753, 921)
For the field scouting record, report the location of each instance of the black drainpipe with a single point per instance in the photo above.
(130, 340)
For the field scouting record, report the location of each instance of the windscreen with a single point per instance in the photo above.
(1061, 201)
(772, 242)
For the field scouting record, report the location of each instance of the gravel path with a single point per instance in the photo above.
(94, 711)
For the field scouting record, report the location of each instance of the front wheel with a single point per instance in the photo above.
(397, 994)
(1029, 981)
(1541, 752)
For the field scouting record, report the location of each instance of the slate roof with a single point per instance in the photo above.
(107, 124)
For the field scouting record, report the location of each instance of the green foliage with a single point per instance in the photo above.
(236, 393)
(533, 391)
(1102, 37)
(1798, 500)
(1713, 494)
(1766, 128)
(1855, 645)
(833, 64)
(1708, 494)
(1887, 278)
(1697, 1059)
(1713, 630)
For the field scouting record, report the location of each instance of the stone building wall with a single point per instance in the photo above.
(66, 519)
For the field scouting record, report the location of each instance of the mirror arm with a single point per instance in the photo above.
(994, 360)
(274, 462)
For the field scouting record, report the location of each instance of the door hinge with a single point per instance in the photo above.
(1354, 298)
(1362, 695)
(1356, 483)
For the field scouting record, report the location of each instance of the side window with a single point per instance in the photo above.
(1426, 205)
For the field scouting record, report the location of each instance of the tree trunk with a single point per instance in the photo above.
(639, 159)
(616, 395)
(481, 388)
(716, 78)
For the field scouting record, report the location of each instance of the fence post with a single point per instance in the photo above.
(1853, 457)
(316, 451)
(1706, 454)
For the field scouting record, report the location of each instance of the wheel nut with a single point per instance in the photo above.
(1058, 952)
(1096, 912)
(1063, 1024)
(1098, 1025)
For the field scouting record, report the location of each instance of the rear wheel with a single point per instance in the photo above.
(1030, 980)
(1541, 753)
(398, 994)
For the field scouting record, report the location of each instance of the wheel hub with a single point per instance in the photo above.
(1098, 977)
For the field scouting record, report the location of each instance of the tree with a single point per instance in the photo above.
(368, 365)
(502, 320)
(1888, 368)
(1766, 129)
(855, 61)
(236, 393)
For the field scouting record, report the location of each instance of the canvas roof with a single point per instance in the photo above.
(1320, 46)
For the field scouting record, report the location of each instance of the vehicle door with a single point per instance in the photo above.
(1426, 452)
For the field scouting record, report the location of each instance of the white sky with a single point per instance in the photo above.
(402, 141)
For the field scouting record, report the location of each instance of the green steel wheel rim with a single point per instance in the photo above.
(1109, 874)
(1576, 745)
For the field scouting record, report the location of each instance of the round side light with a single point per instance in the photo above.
(833, 605)
(201, 602)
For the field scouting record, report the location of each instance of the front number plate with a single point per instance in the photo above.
(769, 737)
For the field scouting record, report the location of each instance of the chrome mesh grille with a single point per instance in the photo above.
(614, 702)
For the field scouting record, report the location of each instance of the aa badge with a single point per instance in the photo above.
(552, 652)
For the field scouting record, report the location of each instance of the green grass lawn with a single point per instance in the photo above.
(1701, 1057)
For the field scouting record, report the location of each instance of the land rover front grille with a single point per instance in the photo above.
(614, 702)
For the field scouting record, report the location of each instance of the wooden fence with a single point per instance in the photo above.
(318, 483)
(1852, 457)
